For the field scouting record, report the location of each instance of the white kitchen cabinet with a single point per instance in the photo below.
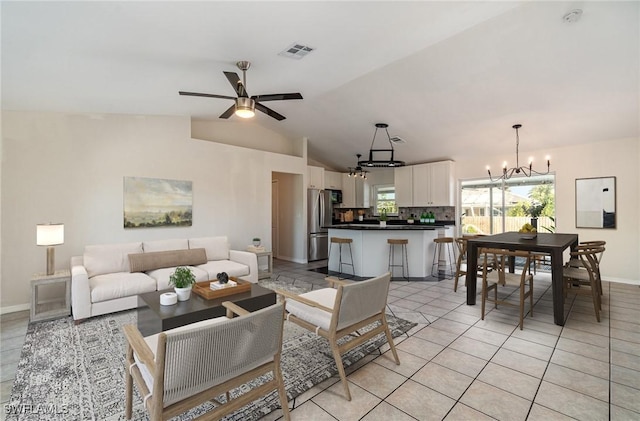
(315, 177)
(433, 184)
(332, 180)
(442, 184)
(425, 184)
(403, 182)
(355, 192)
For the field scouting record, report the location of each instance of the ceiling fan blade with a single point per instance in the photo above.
(277, 97)
(269, 112)
(235, 81)
(205, 95)
(229, 112)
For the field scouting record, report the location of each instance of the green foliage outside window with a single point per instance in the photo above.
(386, 200)
(541, 203)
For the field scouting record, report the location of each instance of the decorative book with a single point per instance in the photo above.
(217, 285)
(255, 249)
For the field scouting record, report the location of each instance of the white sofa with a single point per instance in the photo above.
(107, 278)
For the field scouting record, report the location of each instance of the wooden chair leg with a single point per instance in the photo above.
(387, 332)
(128, 380)
(281, 390)
(596, 301)
(522, 297)
(338, 358)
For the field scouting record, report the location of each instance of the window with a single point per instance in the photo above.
(384, 197)
(491, 208)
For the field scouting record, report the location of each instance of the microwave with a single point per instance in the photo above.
(336, 196)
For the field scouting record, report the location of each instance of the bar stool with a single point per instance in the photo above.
(340, 241)
(404, 260)
(443, 258)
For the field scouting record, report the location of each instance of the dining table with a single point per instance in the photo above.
(553, 244)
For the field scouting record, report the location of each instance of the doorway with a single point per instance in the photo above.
(275, 217)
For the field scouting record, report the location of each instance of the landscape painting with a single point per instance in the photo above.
(155, 202)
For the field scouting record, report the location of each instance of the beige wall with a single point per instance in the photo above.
(619, 158)
(69, 168)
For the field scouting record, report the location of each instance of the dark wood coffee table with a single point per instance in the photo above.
(154, 318)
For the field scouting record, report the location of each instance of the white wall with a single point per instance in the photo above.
(619, 158)
(69, 168)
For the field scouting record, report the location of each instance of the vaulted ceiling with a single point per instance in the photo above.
(449, 77)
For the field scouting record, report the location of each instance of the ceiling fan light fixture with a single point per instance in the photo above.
(245, 107)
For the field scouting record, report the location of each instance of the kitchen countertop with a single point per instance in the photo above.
(361, 226)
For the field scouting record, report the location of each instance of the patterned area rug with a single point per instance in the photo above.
(76, 372)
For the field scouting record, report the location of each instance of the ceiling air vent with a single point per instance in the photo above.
(397, 139)
(296, 51)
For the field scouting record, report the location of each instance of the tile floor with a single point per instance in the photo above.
(455, 366)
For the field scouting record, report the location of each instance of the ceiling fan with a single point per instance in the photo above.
(245, 105)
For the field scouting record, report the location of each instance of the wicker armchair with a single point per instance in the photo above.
(184, 367)
(336, 313)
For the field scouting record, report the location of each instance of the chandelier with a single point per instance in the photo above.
(527, 171)
(357, 170)
(381, 162)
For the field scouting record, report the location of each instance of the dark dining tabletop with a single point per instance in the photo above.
(550, 243)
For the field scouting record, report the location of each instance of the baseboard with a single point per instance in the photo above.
(292, 259)
(14, 309)
(622, 281)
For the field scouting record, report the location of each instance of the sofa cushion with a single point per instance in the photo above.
(161, 276)
(165, 245)
(217, 247)
(143, 262)
(232, 268)
(109, 258)
(120, 284)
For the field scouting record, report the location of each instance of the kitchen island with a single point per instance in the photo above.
(371, 251)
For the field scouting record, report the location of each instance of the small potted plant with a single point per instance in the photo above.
(383, 217)
(256, 241)
(182, 280)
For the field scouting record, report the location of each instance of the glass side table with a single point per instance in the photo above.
(50, 309)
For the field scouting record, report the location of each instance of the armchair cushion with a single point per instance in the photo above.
(313, 315)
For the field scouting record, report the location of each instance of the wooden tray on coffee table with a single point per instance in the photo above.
(204, 290)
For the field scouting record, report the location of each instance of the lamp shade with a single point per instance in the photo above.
(49, 234)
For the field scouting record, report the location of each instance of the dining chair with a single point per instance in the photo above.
(500, 275)
(461, 261)
(182, 368)
(598, 255)
(584, 278)
(343, 310)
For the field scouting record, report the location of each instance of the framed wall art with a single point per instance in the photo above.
(156, 202)
(596, 202)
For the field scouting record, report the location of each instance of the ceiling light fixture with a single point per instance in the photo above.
(381, 162)
(357, 170)
(507, 173)
(245, 107)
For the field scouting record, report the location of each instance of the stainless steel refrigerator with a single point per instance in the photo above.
(319, 215)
